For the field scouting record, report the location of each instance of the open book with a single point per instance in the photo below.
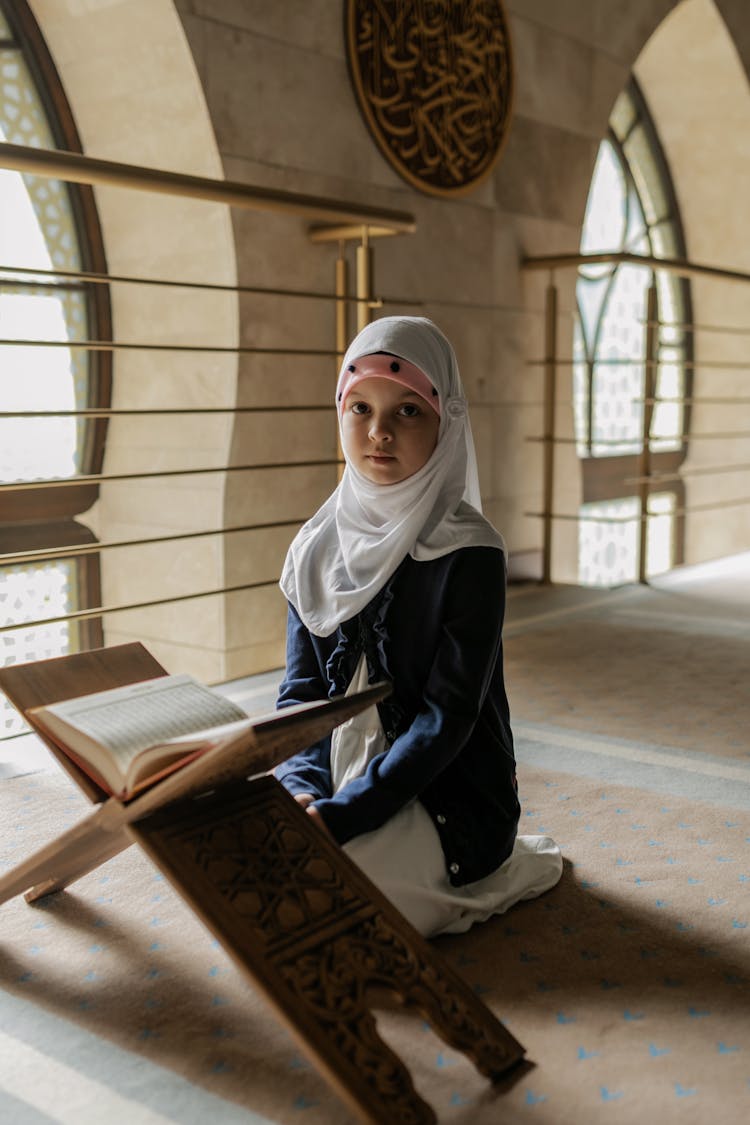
(128, 737)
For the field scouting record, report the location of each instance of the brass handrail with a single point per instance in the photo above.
(573, 517)
(99, 611)
(145, 412)
(702, 401)
(129, 346)
(103, 478)
(29, 276)
(729, 329)
(73, 277)
(702, 471)
(629, 361)
(76, 168)
(47, 554)
(680, 266)
(655, 439)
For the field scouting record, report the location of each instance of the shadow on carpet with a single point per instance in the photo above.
(628, 983)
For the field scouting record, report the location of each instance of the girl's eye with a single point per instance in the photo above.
(410, 410)
(359, 408)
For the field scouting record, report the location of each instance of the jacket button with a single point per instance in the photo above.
(454, 869)
(440, 818)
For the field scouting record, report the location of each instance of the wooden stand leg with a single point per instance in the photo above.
(74, 853)
(318, 938)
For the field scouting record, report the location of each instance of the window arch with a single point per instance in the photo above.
(46, 226)
(631, 207)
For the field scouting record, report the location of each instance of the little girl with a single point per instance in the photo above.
(399, 577)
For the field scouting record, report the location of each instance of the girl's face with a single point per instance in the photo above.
(388, 432)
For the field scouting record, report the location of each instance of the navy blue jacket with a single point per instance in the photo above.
(434, 632)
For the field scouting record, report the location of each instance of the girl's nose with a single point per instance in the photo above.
(379, 428)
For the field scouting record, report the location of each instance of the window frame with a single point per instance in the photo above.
(603, 475)
(38, 518)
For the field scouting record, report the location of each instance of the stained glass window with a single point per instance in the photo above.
(608, 539)
(631, 207)
(34, 593)
(39, 230)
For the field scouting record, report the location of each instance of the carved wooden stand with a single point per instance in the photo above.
(298, 917)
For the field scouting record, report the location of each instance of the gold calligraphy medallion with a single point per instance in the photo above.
(434, 81)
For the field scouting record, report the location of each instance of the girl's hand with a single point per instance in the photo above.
(318, 819)
(306, 800)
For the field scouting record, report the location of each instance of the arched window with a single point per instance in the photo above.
(45, 225)
(631, 207)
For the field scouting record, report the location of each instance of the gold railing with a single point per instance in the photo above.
(645, 479)
(72, 167)
(332, 220)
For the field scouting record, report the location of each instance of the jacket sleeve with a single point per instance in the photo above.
(471, 605)
(310, 770)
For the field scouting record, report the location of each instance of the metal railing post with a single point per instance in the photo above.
(342, 330)
(364, 281)
(550, 394)
(644, 459)
(342, 292)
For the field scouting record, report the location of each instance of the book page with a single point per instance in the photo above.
(130, 719)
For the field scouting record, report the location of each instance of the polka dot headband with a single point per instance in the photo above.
(385, 366)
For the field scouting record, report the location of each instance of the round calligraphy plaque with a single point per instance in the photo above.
(434, 81)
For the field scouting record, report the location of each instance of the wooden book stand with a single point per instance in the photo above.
(297, 916)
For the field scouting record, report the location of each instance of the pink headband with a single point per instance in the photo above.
(391, 367)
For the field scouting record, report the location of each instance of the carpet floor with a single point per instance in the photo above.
(628, 984)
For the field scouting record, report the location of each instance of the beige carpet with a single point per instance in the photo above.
(666, 664)
(665, 681)
(628, 984)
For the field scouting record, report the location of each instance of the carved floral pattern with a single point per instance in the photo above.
(272, 873)
(314, 933)
(371, 963)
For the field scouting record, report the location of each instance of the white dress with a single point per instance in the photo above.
(405, 859)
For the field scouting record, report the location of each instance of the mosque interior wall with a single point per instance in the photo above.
(260, 93)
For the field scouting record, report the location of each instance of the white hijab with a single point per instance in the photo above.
(345, 554)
